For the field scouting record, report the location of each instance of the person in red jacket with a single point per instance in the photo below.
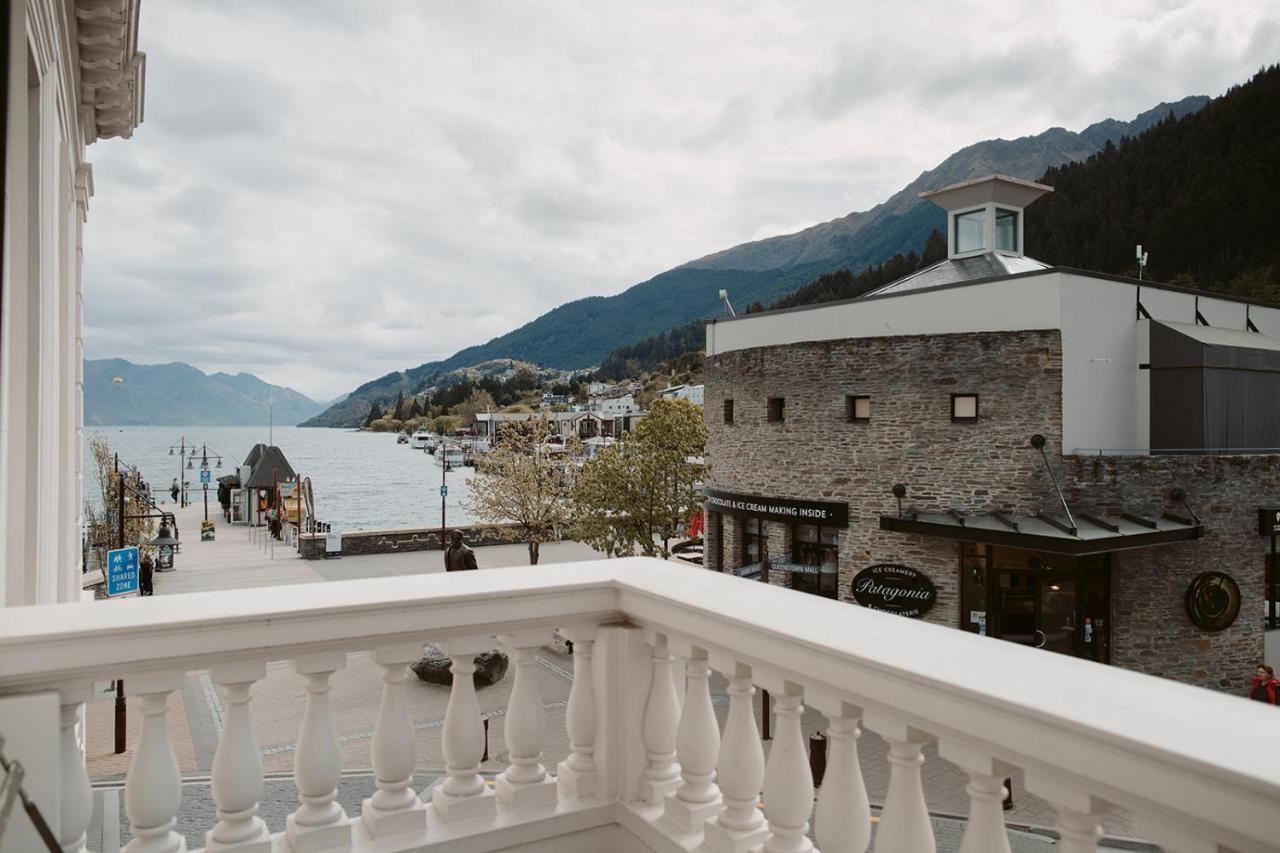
(1266, 688)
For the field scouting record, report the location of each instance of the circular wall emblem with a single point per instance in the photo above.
(1213, 600)
(894, 588)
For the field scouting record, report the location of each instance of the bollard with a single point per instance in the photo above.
(818, 757)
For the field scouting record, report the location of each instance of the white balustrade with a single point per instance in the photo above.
(237, 766)
(153, 790)
(739, 769)
(320, 822)
(1080, 813)
(463, 795)
(394, 808)
(984, 832)
(577, 775)
(842, 817)
(697, 799)
(661, 719)
(77, 795)
(525, 783)
(904, 820)
(788, 783)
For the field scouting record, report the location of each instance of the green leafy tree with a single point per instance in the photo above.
(635, 494)
(523, 488)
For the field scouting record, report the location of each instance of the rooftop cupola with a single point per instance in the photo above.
(985, 214)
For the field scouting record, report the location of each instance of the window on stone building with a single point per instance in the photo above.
(755, 542)
(776, 409)
(728, 411)
(857, 408)
(816, 559)
(964, 407)
(1272, 592)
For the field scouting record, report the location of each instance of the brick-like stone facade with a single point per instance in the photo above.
(816, 453)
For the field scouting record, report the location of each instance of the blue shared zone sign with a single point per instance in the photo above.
(122, 571)
(444, 491)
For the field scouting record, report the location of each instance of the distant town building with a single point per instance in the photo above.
(692, 393)
(620, 405)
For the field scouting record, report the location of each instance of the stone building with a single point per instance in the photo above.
(1064, 459)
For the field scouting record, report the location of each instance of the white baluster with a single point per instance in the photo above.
(525, 783)
(904, 821)
(76, 795)
(842, 818)
(697, 800)
(394, 808)
(464, 794)
(320, 822)
(153, 791)
(237, 766)
(1079, 813)
(661, 718)
(739, 769)
(788, 784)
(577, 774)
(984, 831)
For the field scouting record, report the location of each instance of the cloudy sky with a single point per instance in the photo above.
(327, 190)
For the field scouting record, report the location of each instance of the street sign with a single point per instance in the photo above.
(206, 476)
(122, 571)
(444, 491)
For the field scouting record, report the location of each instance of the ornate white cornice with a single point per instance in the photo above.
(112, 69)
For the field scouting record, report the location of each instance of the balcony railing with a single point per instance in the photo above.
(1198, 771)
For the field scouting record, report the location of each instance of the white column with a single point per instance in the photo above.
(984, 831)
(464, 794)
(394, 808)
(739, 769)
(697, 800)
(577, 775)
(622, 666)
(153, 791)
(904, 821)
(320, 822)
(788, 784)
(76, 807)
(525, 783)
(661, 718)
(842, 818)
(1079, 813)
(237, 766)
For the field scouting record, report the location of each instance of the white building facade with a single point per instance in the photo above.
(73, 75)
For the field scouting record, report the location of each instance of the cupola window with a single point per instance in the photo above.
(1006, 230)
(968, 236)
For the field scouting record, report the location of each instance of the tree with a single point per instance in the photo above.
(445, 424)
(478, 401)
(398, 411)
(102, 515)
(639, 490)
(375, 413)
(523, 483)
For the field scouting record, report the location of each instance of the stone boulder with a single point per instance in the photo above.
(435, 668)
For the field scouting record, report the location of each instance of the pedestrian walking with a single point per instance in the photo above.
(174, 489)
(458, 557)
(146, 573)
(1266, 688)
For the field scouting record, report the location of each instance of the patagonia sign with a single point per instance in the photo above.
(894, 589)
(822, 513)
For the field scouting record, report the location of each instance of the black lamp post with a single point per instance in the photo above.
(166, 542)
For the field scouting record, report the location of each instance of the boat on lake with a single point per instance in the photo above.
(451, 455)
(420, 439)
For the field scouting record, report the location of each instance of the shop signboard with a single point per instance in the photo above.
(894, 588)
(1268, 521)
(822, 513)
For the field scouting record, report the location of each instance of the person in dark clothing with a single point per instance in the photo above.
(458, 557)
(174, 489)
(1266, 688)
(146, 573)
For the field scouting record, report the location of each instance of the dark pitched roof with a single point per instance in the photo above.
(254, 455)
(270, 468)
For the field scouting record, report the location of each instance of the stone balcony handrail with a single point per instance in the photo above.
(1199, 771)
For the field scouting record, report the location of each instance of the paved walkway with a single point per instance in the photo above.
(235, 560)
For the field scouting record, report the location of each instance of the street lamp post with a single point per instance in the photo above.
(183, 447)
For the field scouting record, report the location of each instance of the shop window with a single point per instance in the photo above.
(964, 408)
(776, 409)
(728, 411)
(816, 555)
(1272, 592)
(857, 408)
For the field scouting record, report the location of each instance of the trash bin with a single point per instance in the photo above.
(333, 544)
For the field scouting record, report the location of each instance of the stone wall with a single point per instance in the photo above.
(1151, 630)
(356, 542)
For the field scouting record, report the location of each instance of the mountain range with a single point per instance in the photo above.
(581, 333)
(178, 393)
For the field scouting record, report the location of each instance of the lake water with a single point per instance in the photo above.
(362, 480)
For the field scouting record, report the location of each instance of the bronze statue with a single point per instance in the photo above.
(458, 557)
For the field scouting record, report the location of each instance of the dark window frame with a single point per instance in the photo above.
(776, 410)
(728, 412)
(851, 408)
(965, 419)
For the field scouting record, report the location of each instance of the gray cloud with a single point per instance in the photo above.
(327, 191)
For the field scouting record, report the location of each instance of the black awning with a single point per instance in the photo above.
(1090, 535)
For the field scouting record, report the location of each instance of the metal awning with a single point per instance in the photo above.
(1091, 534)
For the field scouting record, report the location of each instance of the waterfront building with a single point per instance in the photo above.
(73, 75)
(1133, 539)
